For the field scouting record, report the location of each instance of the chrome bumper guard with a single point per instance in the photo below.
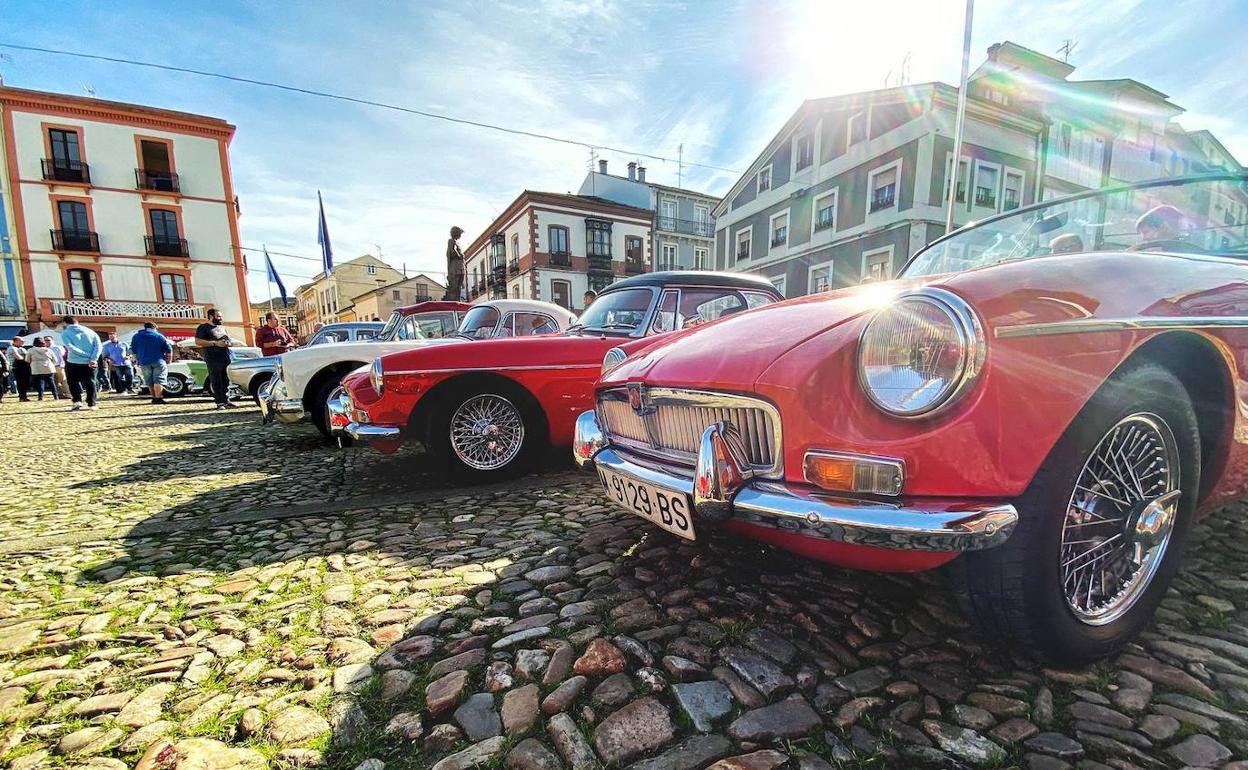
(275, 406)
(339, 408)
(721, 489)
(364, 432)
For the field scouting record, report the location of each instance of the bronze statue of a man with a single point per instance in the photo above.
(454, 266)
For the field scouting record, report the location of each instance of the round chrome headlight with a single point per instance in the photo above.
(612, 359)
(919, 354)
(374, 375)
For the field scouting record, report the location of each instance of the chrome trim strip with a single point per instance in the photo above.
(389, 372)
(661, 396)
(1089, 325)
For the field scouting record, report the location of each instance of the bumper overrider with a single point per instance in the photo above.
(341, 410)
(275, 406)
(722, 487)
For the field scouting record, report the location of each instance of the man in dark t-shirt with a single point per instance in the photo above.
(215, 344)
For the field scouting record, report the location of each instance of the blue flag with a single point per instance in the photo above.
(275, 278)
(322, 237)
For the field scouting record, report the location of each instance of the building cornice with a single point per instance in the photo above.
(83, 108)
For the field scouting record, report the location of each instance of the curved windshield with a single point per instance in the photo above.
(1192, 215)
(387, 332)
(479, 323)
(618, 310)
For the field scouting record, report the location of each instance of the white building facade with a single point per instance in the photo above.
(122, 214)
(555, 247)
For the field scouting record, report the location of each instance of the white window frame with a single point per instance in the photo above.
(810, 275)
(996, 193)
(736, 242)
(835, 195)
(944, 201)
(675, 217)
(1022, 185)
(666, 264)
(871, 175)
(849, 129)
(771, 229)
(780, 282)
(866, 260)
(814, 152)
(701, 258)
(702, 219)
(758, 180)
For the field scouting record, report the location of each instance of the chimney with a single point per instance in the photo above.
(641, 173)
(602, 167)
(632, 171)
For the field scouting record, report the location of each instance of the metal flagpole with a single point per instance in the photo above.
(961, 120)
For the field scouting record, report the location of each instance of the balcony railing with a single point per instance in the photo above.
(665, 266)
(632, 266)
(883, 198)
(600, 265)
(423, 298)
(780, 237)
(561, 258)
(513, 266)
(743, 251)
(985, 197)
(824, 222)
(686, 226)
(167, 247)
(1010, 203)
(104, 308)
(160, 181)
(66, 171)
(74, 240)
(9, 306)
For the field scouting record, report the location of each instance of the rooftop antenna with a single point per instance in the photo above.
(680, 163)
(3, 58)
(1068, 47)
(593, 166)
(905, 71)
(88, 89)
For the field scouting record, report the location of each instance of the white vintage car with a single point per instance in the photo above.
(308, 378)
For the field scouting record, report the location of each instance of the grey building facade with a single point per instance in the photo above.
(852, 186)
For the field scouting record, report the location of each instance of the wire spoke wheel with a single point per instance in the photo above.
(1119, 519)
(487, 432)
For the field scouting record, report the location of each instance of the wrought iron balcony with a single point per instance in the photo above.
(824, 222)
(74, 240)
(664, 266)
(600, 265)
(743, 251)
(780, 237)
(66, 171)
(883, 198)
(9, 306)
(159, 181)
(513, 266)
(985, 197)
(561, 259)
(1010, 203)
(103, 308)
(632, 266)
(686, 226)
(167, 247)
(423, 298)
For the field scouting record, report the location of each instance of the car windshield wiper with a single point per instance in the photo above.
(617, 325)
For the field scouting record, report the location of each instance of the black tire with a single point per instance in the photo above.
(446, 459)
(1015, 591)
(317, 410)
(175, 386)
(253, 388)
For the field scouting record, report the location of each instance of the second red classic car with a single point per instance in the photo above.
(487, 409)
(1052, 395)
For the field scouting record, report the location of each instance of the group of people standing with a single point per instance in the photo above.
(73, 367)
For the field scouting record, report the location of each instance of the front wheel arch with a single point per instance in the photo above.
(440, 395)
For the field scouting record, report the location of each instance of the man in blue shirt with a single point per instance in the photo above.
(153, 352)
(118, 354)
(83, 349)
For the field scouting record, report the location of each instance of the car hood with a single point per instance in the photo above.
(735, 351)
(556, 350)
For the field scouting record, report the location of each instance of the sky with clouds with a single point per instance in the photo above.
(717, 77)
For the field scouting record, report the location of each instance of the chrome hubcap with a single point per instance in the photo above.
(1119, 519)
(487, 432)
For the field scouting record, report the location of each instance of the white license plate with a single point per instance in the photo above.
(667, 508)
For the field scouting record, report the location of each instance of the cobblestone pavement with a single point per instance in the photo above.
(527, 627)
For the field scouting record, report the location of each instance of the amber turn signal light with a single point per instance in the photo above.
(861, 474)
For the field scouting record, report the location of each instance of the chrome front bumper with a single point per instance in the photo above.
(365, 432)
(275, 406)
(721, 489)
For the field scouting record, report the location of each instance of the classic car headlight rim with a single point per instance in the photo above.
(613, 358)
(945, 353)
(375, 376)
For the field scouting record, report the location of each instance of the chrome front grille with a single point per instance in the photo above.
(669, 423)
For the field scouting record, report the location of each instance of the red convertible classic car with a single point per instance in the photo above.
(488, 409)
(1052, 395)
